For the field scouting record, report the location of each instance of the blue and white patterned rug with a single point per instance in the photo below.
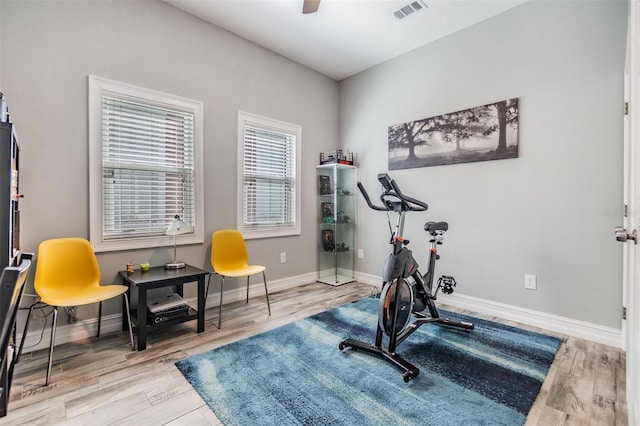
(296, 375)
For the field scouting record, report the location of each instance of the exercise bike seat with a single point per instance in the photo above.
(433, 227)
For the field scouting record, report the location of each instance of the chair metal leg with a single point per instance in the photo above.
(247, 289)
(264, 277)
(24, 333)
(206, 290)
(220, 307)
(53, 338)
(99, 316)
(126, 302)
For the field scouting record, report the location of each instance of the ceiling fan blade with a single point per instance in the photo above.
(310, 6)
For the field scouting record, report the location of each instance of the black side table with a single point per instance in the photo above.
(140, 282)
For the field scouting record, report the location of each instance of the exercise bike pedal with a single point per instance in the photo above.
(446, 283)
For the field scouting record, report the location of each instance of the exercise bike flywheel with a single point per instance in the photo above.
(387, 307)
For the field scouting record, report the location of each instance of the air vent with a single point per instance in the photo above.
(407, 10)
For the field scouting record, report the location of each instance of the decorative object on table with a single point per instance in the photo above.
(144, 267)
(324, 183)
(338, 157)
(328, 243)
(177, 227)
(131, 268)
(327, 212)
(490, 376)
(487, 132)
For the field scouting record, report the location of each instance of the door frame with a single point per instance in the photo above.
(631, 188)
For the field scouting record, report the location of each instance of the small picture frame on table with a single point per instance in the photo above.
(328, 243)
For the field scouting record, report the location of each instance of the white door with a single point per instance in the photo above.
(631, 290)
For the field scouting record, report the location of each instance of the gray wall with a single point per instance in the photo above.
(550, 212)
(50, 47)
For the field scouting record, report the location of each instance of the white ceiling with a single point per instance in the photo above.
(343, 37)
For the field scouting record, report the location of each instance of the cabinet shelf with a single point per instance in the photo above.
(336, 219)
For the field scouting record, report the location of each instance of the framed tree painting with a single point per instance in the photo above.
(487, 132)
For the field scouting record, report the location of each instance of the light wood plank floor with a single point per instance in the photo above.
(102, 382)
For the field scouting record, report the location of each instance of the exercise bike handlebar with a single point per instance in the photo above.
(368, 200)
(391, 190)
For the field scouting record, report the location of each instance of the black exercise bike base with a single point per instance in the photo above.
(410, 371)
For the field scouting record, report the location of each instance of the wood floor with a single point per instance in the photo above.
(103, 382)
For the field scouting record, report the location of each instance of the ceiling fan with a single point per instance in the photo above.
(310, 6)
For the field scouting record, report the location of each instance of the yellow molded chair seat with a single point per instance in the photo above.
(229, 258)
(67, 274)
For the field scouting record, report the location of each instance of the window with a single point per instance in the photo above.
(269, 203)
(145, 166)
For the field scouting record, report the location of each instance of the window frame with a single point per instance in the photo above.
(99, 87)
(255, 120)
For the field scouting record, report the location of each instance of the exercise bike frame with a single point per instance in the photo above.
(398, 267)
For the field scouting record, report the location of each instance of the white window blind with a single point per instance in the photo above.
(148, 167)
(145, 150)
(270, 151)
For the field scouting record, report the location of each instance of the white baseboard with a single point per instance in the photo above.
(256, 288)
(584, 330)
(372, 280)
(113, 323)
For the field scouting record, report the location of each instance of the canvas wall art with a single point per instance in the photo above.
(487, 132)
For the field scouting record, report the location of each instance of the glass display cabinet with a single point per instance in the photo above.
(336, 218)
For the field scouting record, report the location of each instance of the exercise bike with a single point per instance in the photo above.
(401, 298)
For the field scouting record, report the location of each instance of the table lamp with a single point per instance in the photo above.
(176, 227)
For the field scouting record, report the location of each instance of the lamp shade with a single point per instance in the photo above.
(178, 227)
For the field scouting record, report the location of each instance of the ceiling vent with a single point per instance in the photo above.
(407, 10)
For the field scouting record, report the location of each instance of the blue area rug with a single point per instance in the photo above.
(296, 375)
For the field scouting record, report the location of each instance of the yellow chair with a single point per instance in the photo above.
(67, 274)
(229, 258)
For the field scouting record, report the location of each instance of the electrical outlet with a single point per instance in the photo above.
(360, 254)
(530, 282)
(72, 316)
(283, 257)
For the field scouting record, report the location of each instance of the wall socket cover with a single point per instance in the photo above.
(530, 282)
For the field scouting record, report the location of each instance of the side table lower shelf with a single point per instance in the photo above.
(192, 314)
